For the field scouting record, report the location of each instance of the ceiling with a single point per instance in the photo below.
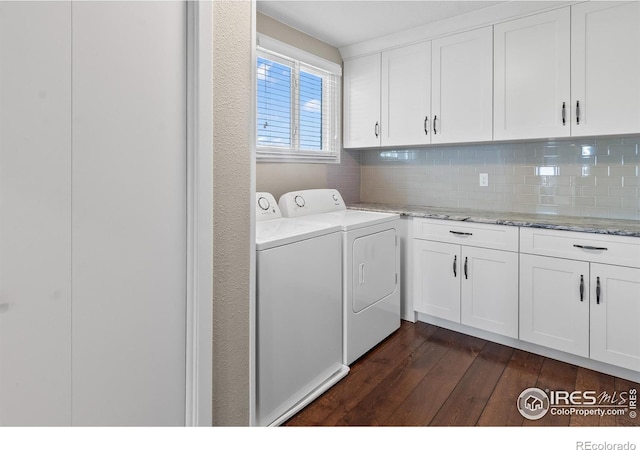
(346, 22)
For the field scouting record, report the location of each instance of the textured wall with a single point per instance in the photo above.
(278, 178)
(596, 177)
(232, 68)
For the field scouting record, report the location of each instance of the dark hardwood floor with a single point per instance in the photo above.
(423, 375)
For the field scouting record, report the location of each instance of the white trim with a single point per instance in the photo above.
(252, 221)
(199, 364)
(275, 46)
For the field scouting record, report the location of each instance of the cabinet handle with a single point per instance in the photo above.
(564, 113)
(434, 124)
(598, 290)
(426, 126)
(589, 247)
(581, 288)
(376, 129)
(466, 277)
(455, 266)
(460, 233)
(578, 112)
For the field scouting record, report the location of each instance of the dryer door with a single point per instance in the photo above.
(373, 268)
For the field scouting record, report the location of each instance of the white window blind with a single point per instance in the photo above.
(297, 105)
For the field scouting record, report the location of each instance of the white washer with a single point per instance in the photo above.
(371, 265)
(299, 312)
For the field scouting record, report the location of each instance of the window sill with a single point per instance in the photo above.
(300, 159)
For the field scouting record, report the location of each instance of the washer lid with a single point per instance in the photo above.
(283, 231)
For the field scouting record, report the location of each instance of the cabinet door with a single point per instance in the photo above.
(362, 101)
(437, 279)
(605, 63)
(615, 314)
(462, 105)
(406, 95)
(532, 76)
(489, 297)
(553, 312)
(35, 213)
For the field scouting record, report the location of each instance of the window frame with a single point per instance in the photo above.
(271, 49)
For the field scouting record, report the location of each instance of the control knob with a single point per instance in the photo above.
(299, 200)
(263, 203)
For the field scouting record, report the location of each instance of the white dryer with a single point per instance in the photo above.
(371, 265)
(299, 312)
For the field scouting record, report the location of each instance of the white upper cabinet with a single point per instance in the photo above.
(362, 101)
(462, 87)
(406, 95)
(532, 77)
(571, 71)
(605, 68)
(387, 97)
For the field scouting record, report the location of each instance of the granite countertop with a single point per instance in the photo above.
(566, 223)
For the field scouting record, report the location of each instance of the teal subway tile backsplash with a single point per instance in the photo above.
(598, 177)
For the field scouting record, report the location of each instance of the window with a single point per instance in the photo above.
(297, 105)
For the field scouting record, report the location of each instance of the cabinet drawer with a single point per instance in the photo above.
(498, 237)
(607, 249)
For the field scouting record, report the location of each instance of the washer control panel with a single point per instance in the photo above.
(311, 201)
(266, 207)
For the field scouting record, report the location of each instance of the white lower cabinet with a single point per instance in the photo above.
(489, 297)
(554, 304)
(577, 296)
(436, 279)
(465, 284)
(615, 313)
(574, 292)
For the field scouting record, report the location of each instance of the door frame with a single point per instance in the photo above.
(199, 270)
